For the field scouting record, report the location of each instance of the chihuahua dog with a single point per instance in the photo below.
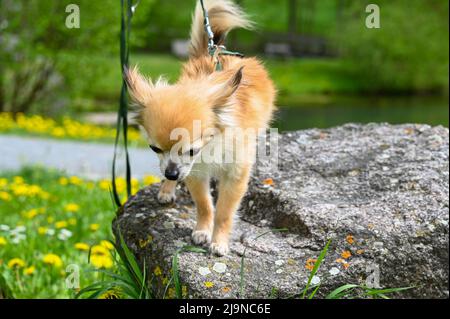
(199, 115)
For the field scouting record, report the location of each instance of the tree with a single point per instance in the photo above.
(408, 53)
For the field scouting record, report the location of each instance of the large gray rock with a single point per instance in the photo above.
(385, 186)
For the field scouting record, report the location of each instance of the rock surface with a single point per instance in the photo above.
(379, 192)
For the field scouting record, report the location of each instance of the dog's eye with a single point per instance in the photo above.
(155, 149)
(193, 151)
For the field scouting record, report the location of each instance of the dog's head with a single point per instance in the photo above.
(179, 120)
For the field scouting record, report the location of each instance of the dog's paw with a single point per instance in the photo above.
(166, 197)
(200, 237)
(219, 249)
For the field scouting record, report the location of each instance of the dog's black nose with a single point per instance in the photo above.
(172, 174)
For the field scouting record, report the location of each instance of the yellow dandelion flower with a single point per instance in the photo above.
(52, 260)
(99, 250)
(5, 196)
(100, 261)
(63, 181)
(94, 227)
(31, 213)
(111, 294)
(107, 244)
(3, 182)
(149, 180)
(3, 241)
(18, 180)
(16, 263)
(134, 182)
(75, 180)
(208, 284)
(29, 270)
(61, 224)
(82, 246)
(105, 184)
(42, 230)
(72, 221)
(71, 207)
(58, 132)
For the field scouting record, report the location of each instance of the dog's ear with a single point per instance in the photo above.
(221, 93)
(139, 87)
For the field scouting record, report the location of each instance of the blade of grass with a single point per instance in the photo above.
(93, 287)
(175, 270)
(5, 290)
(375, 292)
(130, 259)
(338, 291)
(316, 267)
(311, 296)
(167, 287)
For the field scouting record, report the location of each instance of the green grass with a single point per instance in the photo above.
(300, 80)
(127, 282)
(92, 208)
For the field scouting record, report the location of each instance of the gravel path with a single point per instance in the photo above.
(89, 160)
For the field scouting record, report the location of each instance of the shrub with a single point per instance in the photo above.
(408, 53)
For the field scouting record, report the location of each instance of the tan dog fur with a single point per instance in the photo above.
(240, 96)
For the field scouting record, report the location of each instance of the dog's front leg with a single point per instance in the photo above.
(231, 191)
(166, 192)
(200, 192)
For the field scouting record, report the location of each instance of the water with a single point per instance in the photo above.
(394, 110)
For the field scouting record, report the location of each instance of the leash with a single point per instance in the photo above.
(214, 50)
(127, 11)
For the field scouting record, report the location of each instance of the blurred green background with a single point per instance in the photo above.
(328, 66)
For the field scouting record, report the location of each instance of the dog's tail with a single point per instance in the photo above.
(224, 15)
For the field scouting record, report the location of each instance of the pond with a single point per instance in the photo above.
(395, 110)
